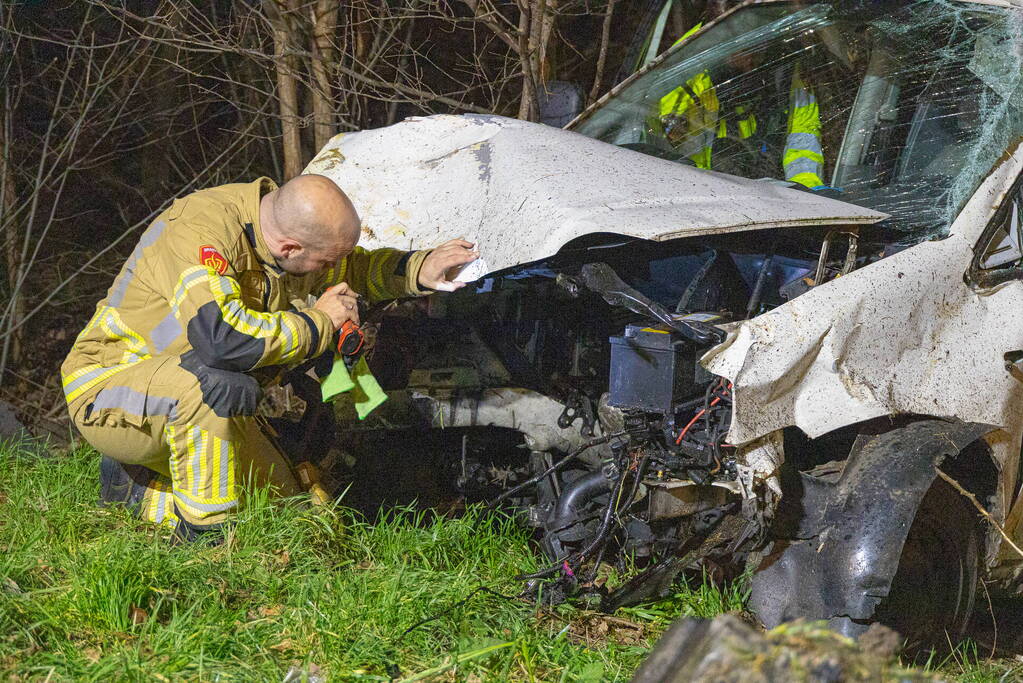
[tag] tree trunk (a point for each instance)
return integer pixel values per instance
(11, 237)
(281, 15)
(155, 178)
(527, 103)
(605, 38)
(324, 22)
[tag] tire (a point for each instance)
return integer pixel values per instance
(933, 592)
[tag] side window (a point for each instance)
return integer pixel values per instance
(998, 256)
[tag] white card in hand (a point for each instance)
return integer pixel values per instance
(472, 271)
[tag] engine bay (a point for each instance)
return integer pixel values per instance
(570, 394)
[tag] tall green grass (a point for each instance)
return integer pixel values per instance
(90, 594)
(966, 663)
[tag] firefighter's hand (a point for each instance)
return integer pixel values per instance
(437, 268)
(340, 302)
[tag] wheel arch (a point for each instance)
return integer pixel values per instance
(839, 544)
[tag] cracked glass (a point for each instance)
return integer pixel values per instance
(905, 113)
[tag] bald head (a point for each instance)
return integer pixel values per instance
(308, 222)
(313, 208)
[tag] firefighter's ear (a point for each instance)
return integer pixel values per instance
(290, 248)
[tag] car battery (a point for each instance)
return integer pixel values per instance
(652, 369)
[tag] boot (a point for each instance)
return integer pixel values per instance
(122, 484)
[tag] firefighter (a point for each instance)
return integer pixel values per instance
(687, 116)
(691, 118)
(210, 306)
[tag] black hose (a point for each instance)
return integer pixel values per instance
(640, 470)
(555, 467)
(601, 533)
(574, 496)
(605, 523)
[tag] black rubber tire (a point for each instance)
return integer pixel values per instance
(933, 592)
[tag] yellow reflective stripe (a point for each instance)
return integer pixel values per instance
(293, 335)
(80, 372)
(81, 380)
(226, 466)
(678, 100)
(166, 504)
(116, 330)
(207, 464)
(222, 470)
(93, 321)
(189, 278)
(199, 505)
(256, 324)
(176, 463)
(196, 458)
(189, 461)
(810, 180)
(159, 507)
(748, 126)
(217, 467)
(149, 504)
(688, 33)
(153, 508)
(803, 158)
(791, 155)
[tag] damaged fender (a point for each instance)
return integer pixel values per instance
(837, 558)
(906, 335)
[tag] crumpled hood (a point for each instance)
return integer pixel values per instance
(523, 190)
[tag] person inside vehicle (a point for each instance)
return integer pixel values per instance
(693, 120)
(227, 287)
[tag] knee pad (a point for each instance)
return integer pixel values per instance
(228, 394)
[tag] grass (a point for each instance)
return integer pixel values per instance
(89, 594)
(92, 594)
(966, 663)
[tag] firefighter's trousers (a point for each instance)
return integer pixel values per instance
(194, 427)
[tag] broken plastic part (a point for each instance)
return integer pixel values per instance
(601, 278)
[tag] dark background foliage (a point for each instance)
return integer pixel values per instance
(109, 110)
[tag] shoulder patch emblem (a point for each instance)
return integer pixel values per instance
(211, 258)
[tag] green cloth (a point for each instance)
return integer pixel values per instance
(366, 392)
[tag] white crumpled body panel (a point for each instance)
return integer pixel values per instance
(902, 335)
(523, 190)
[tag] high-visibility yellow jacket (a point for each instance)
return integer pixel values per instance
(202, 278)
(695, 105)
(803, 158)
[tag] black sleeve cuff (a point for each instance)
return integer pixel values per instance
(313, 331)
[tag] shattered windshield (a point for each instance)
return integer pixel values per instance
(904, 113)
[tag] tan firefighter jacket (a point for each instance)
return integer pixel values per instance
(202, 278)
